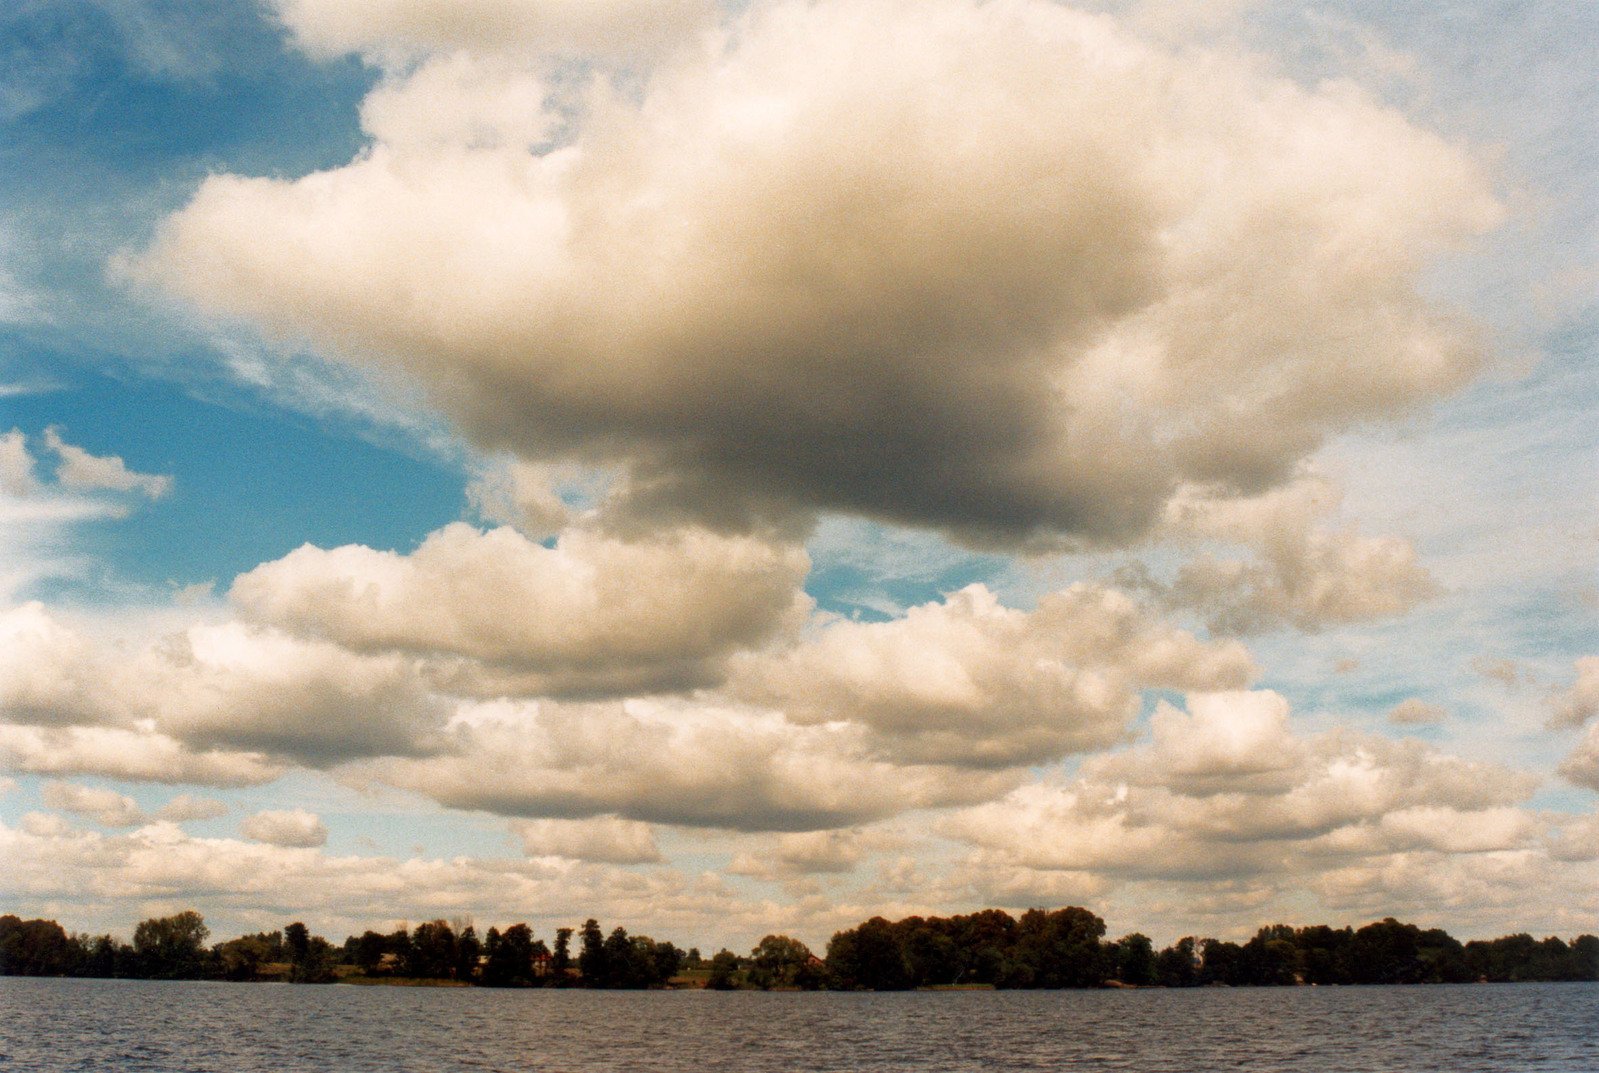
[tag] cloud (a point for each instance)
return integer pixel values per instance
(1304, 575)
(687, 763)
(139, 755)
(185, 807)
(970, 682)
(105, 807)
(384, 28)
(80, 469)
(1575, 706)
(115, 878)
(224, 686)
(529, 496)
(593, 614)
(1416, 712)
(1226, 791)
(1582, 765)
(607, 839)
(16, 465)
(1079, 272)
(805, 853)
(293, 828)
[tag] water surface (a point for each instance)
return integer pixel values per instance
(151, 1027)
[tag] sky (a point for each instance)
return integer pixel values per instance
(746, 468)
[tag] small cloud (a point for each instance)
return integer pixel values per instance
(194, 594)
(1507, 672)
(1415, 712)
(606, 839)
(105, 807)
(16, 464)
(1346, 666)
(293, 828)
(46, 825)
(186, 807)
(18, 388)
(1575, 706)
(80, 469)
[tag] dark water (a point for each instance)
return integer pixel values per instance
(109, 1025)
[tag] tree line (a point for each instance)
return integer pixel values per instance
(1062, 948)
(436, 951)
(1067, 948)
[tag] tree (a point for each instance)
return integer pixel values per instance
(297, 937)
(1177, 965)
(778, 961)
(171, 948)
(1058, 949)
(510, 957)
(242, 958)
(318, 965)
(431, 955)
(867, 958)
(467, 951)
(1135, 960)
(37, 948)
(561, 960)
(369, 951)
(592, 961)
(724, 967)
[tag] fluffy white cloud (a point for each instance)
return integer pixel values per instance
(969, 681)
(1076, 270)
(139, 755)
(387, 28)
(82, 470)
(105, 807)
(607, 839)
(592, 614)
(1227, 790)
(694, 764)
(186, 807)
(1304, 574)
(293, 828)
(217, 686)
(805, 853)
(1575, 706)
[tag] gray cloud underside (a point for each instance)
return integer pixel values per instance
(998, 269)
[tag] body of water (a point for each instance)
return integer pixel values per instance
(100, 1026)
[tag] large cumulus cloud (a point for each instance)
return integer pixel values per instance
(225, 687)
(1227, 791)
(589, 615)
(995, 268)
(689, 763)
(969, 681)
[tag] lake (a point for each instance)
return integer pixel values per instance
(115, 1025)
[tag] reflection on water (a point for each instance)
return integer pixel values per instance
(103, 1025)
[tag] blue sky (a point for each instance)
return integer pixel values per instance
(1239, 465)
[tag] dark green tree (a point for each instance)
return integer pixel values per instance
(561, 959)
(777, 961)
(171, 948)
(592, 959)
(1135, 960)
(724, 971)
(431, 955)
(467, 951)
(510, 957)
